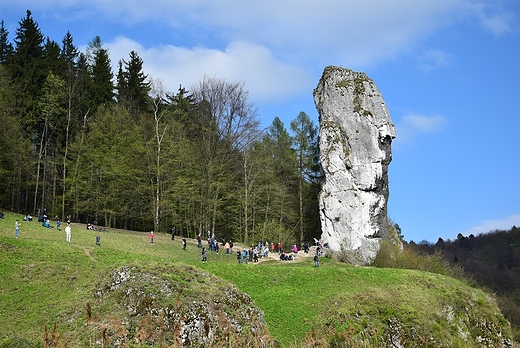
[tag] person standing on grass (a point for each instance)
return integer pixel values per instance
(16, 228)
(316, 260)
(67, 232)
(204, 256)
(151, 237)
(183, 243)
(244, 256)
(226, 246)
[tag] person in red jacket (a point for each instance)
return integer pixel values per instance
(151, 237)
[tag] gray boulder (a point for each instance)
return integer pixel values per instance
(356, 134)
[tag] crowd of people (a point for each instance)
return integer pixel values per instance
(252, 254)
(45, 221)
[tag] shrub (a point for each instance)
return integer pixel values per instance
(391, 256)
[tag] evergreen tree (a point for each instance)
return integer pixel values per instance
(69, 58)
(101, 88)
(306, 146)
(132, 88)
(52, 57)
(52, 106)
(6, 48)
(14, 150)
(27, 70)
(85, 102)
(281, 183)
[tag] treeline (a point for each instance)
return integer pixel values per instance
(77, 139)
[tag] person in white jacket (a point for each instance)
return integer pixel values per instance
(67, 232)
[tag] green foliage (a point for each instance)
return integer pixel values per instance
(391, 255)
(307, 153)
(111, 168)
(132, 87)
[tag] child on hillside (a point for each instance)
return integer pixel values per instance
(151, 237)
(204, 256)
(16, 228)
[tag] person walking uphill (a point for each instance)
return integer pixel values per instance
(16, 228)
(68, 232)
(151, 237)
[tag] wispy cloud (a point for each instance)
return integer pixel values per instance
(343, 32)
(413, 125)
(493, 18)
(434, 59)
(492, 225)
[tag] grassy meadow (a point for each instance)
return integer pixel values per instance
(45, 280)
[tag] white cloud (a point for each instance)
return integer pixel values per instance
(424, 123)
(492, 225)
(413, 125)
(492, 17)
(265, 77)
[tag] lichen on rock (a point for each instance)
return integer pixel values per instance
(356, 133)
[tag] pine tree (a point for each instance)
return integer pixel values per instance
(6, 48)
(281, 181)
(69, 58)
(101, 88)
(306, 145)
(27, 70)
(52, 106)
(133, 89)
(14, 150)
(52, 57)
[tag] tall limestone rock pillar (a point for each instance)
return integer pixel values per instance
(356, 134)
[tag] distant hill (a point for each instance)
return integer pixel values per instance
(493, 261)
(130, 293)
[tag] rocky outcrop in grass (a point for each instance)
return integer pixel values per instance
(180, 306)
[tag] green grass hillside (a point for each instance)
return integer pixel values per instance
(47, 281)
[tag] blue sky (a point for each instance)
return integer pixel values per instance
(449, 71)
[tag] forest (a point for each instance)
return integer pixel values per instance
(115, 147)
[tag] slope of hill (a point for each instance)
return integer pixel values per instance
(493, 261)
(127, 292)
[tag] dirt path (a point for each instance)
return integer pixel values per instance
(87, 252)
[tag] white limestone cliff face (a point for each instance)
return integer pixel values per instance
(356, 133)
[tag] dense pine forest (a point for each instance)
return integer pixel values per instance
(115, 147)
